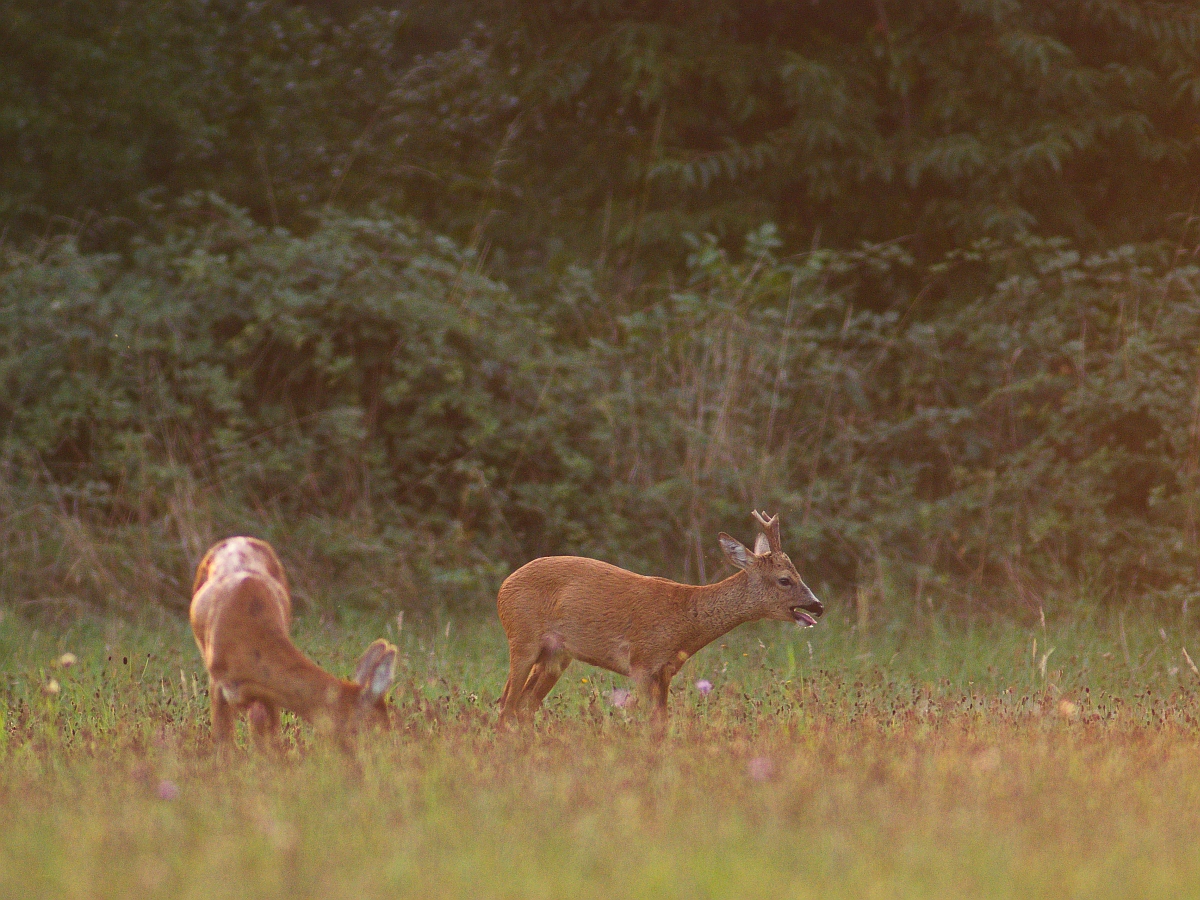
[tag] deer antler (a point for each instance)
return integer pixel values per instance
(770, 528)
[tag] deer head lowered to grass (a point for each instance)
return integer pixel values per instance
(559, 608)
(241, 613)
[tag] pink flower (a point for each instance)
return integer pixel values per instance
(619, 698)
(761, 768)
(167, 790)
(704, 686)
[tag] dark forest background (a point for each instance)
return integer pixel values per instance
(421, 291)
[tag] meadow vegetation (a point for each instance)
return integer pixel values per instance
(899, 759)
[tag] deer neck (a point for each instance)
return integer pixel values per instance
(306, 689)
(717, 609)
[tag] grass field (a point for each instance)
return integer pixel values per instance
(926, 758)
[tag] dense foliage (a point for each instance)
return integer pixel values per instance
(557, 129)
(422, 292)
(1040, 437)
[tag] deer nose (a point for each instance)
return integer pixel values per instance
(813, 605)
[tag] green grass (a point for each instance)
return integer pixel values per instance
(924, 758)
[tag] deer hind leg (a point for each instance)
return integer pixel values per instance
(222, 713)
(551, 670)
(521, 661)
(265, 724)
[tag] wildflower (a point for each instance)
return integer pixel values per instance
(704, 686)
(619, 697)
(52, 686)
(986, 761)
(761, 768)
(1067, 709)
(67, 660)
(167, 790)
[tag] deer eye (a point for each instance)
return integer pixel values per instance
(784, 581)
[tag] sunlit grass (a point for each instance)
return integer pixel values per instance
(925, 758)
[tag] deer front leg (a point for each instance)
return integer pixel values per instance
(657, 687)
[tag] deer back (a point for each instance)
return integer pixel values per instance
(240, 592)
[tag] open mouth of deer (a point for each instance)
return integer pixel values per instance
(803, 619)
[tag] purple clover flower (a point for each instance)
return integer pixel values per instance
(619, 697)
(761, 768)
(704, 686)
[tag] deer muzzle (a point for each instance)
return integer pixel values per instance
(808, 611)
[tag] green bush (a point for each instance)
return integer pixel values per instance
(1019, 432)
(367, 369)
(1037, 440)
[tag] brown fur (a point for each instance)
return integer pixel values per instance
(559, 608)
(241, 614)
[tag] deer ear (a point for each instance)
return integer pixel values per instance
(761, 545)
(735, 551)
(376, 670)
(370, 659)
(381, 678)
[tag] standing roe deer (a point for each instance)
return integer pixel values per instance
(559, 608)
(241, 612)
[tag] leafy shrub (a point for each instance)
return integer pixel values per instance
(367, 366)
(1020, 431)
(1039, 437)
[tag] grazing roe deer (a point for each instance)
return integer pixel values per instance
(241, 613)
(559, 608)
